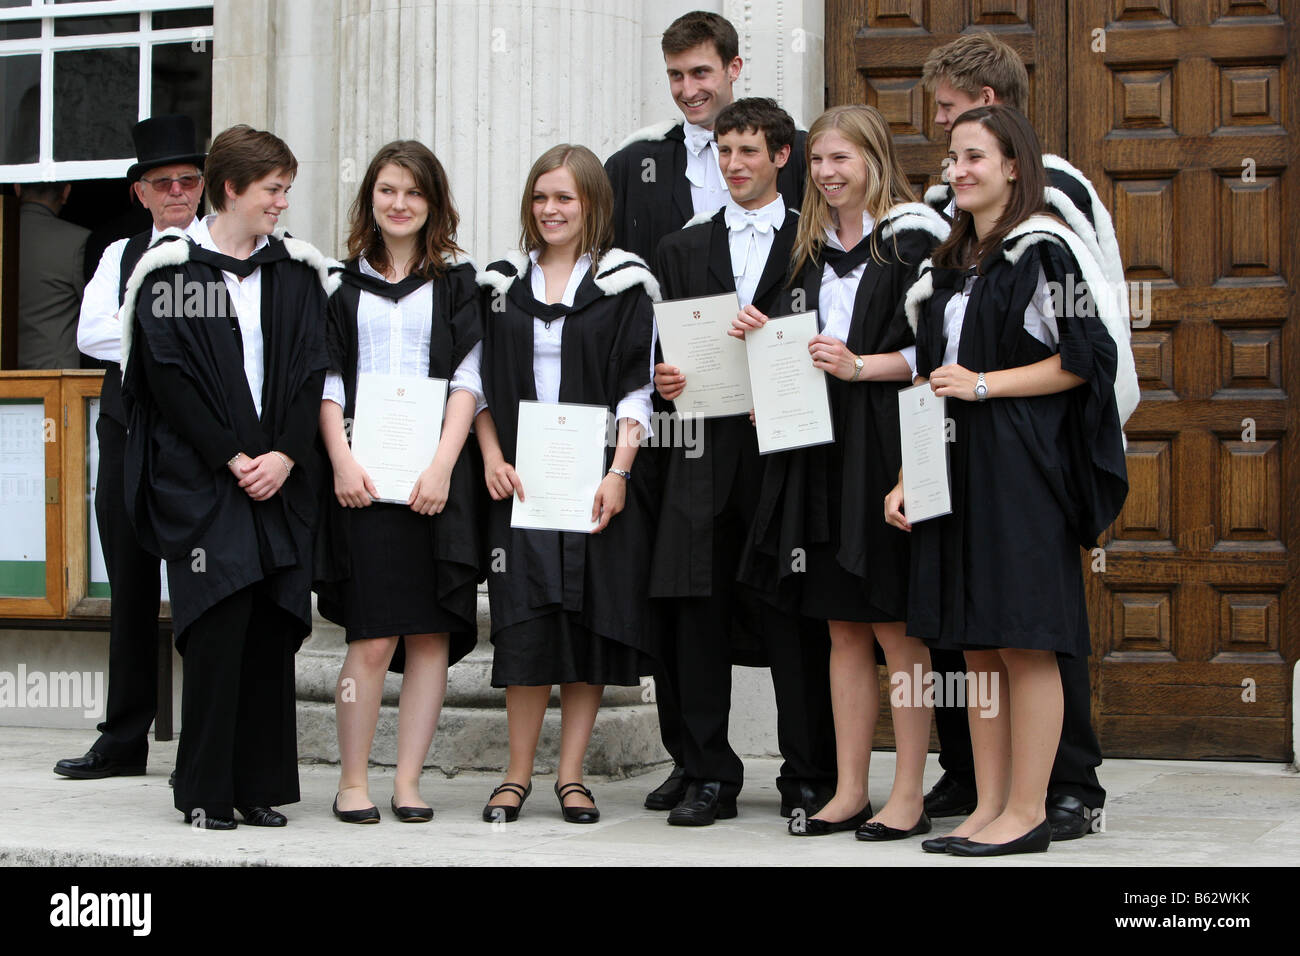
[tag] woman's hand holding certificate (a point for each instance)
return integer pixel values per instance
(791, 404)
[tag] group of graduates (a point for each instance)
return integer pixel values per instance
(235, 464)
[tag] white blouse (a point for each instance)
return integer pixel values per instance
(393, 339)
(1040, 318)
(547, 337)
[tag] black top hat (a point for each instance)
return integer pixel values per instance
(162, 141)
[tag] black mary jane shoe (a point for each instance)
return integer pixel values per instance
(499, 813)
(669, 793)
(95, 766)
(878, 832)
(364, 815)
(576, 814)
(1035, 841)
(263, 817)
(815, 826)
(939, 844)
(200, 820)
(410, 814)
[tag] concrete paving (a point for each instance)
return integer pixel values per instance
(1159, 814)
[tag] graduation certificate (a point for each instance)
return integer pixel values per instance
(560, 460)
(792, 408)
(395, 431)
(694, 337)
(922, 422)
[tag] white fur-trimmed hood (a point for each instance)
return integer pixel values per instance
(617, 271)
(913, 215)
(651, 134)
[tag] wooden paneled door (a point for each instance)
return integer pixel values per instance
(1182, 113)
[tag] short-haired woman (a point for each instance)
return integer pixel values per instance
(568, 319)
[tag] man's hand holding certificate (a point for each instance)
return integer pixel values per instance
(693, 333)
(792, 407)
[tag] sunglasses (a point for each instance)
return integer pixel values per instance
(163, 184)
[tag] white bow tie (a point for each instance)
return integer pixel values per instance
(698, 139)
(738, 220)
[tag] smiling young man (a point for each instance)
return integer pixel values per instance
(979, 70)
(666, 174)
(167, 179)
(709, 502)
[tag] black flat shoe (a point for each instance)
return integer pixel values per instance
(410, 814)
(197, 818)
(815, 826)
(878, 832)
(1035, 841)
(366, 815)
(669, 793)
(950, 798)
(263, 817)
(576, 814)
(95, 766)
(702, 804)
(499, 813)
(939, 844)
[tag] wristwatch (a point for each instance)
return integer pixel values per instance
(625, 475)
(981, 389)
(857, 367)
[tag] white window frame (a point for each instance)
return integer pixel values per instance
(45, 169)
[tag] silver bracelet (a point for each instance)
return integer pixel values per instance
(288, 468)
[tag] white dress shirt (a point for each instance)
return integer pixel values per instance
(393, 339)
(708, 189)
(547, 338)
(750, 234)
(1040, 318)
(99, 330)
(246, 300)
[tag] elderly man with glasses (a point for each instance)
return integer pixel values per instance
(168, 181)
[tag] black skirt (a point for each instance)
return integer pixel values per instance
(557, 649)
(393, 588)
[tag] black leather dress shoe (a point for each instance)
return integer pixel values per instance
(702, 804)
(410, 814)
(1035, 841)
(814, 826)
(939, 844)
(94, 766)
(810, 799)
(878, 832)
(950, 798)
(669, 793)
(206, 822)
(263, 817)
(364, 815)
(171, 779)
(1069, 818)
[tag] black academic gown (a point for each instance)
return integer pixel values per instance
(801, 500)
(454, 532)
(652, 197)
(189, 410)
(599, 580)
(1033, 479)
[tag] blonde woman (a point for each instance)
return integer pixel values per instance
(861, 240)
(568, 319)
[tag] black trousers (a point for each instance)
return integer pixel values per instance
(693, 679)
(133, 575)
(1074, 773)
(239, 743)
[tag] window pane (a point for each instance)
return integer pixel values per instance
(20, 97)
(20, 29)
(15, 3)
(83, 26)
(182, 83)
(177, 19)
(96, 102)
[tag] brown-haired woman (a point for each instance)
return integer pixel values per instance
(1037, 465)
(860, 243)
(218, 452)
(400, 576)
(569, 320)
